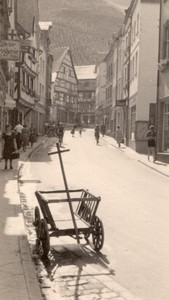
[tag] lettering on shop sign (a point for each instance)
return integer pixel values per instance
(9, 50)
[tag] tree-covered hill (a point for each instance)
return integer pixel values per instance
(85, 26)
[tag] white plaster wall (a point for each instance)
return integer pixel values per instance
(135, 48)
(164, 76)
(148, 59)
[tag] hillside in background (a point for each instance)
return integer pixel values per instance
(85, 26)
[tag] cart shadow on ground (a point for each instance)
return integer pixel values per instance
(74, 264)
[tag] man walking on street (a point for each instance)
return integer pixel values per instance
(18, 129)
(151, 138)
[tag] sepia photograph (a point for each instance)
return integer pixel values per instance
(84, 149)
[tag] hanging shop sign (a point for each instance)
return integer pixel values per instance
(121, 102)
(9, 50)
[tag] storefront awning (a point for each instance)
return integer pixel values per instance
(9, 102)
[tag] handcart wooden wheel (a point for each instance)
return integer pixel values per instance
(42, 233)
(98, 234)
(44, 238)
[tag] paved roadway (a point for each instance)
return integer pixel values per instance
(134, 208)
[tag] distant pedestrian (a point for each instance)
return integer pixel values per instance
(18, 129)
(60, 133)
(8, 145)
(119, 136)
(73, 131)
(97, 134)
(32, 135)
(25, 137)
(103, 129)
(151, 138)
(80, 131)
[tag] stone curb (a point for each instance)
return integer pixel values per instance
(33, 288)
(142, 162)
(154, 169)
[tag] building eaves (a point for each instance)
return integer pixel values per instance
(85, 72)
(27, 12)
(58, 56)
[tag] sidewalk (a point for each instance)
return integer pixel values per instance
(18, 279)
(158, 166)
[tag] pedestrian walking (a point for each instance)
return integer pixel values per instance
(8, 145)
(80, 131)
(151, 139)
(32, 135)
(103, 129)
(97, 134)
(25, 137)
(18, 129)
(60, 133)
(73, 131)
(119, 136)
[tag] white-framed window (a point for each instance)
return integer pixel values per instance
(136, 63)
(138, 24)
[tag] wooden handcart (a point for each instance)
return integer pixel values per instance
(83, 222)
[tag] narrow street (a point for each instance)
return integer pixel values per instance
(134, 207)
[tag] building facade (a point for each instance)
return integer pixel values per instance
(86, 76)
(4, 66)
(64, 87)
(140, 69)
(100, 88)
(30, 76)
(44, 75)
(163, 83)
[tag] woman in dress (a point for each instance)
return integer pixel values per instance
(119, 136)
(8, 145)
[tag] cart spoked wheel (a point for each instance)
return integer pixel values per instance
(98, 234)
(36, 222)
(44, 238)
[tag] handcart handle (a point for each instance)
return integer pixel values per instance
(67, 190)
(56, 152)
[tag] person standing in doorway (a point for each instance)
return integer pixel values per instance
(18, 129)
(151, 139)
(119, 136)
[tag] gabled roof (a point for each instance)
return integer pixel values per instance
(27, 12)
(85, 72)
(58, 56)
